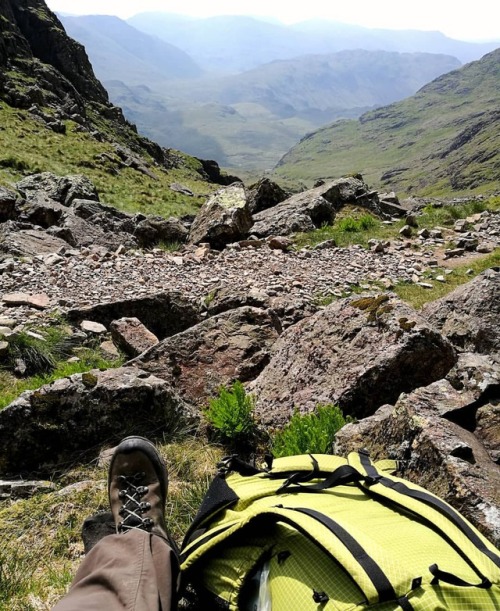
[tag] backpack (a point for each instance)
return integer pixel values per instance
(322, 532)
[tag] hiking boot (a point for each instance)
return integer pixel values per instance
(137, 487)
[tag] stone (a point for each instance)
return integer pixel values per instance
(299, 213)
(233, 345)
(358, 353)
(469, 315)
(406, 231)
(23, 489)
(71, 417)
(131, 336)
(265, 194)
(223, 219)
(109, 350)
(39, 301)
(62, 189)
(433, 452)
(92, 327)
(27, 242)
(165, 313)
(488, 429)
(8, 201)
(4, 349)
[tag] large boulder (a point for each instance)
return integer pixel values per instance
(62, 189)
(299, 213)
(7, 204)
(357, 353)
(469, 316)
(265, 194)
(27, 242)
(72, 416)
(223, 219)
(231, 346)
(164, 314)
(434, 451)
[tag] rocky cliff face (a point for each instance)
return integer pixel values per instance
(41, 65)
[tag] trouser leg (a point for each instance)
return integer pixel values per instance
(134, 571)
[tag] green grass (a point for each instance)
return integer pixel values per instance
(442, 140)
(351, 226)
(29, 147)
(417, 296)
(46, 359)
(41, 542)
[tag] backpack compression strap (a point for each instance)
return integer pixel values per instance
(381, 485)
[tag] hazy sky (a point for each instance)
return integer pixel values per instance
(478, 20)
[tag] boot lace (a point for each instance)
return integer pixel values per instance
(131, 493)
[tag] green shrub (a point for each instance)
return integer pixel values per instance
(231, 415)
(350, 224)
(309, 433)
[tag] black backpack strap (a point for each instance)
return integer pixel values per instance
(374, 477)
(345, 474)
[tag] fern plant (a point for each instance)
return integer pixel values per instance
(230, 415)
(309, 433)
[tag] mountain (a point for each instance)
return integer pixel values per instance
(236, 43)
(56, 116)
(120, 51)
(249, 120)
(445, 138)
(246, 120)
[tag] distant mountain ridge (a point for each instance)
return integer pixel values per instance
(236, 43)
(445, 138)
(123, 52)
(246, 120)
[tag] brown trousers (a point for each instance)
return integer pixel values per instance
(134, 571)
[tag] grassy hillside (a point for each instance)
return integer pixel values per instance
(445, 138)
(28, 146)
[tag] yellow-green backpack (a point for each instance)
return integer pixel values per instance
(319, 532)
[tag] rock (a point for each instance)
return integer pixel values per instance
(265, 194)
(433, 452)
(92, 327)
(411, 220)
(488, 429)
(131, 336)
(109, 350)
(231, 346)
(42, 211)
(97, 230)
(279, 242)
(154, 229)
(39, 301)
(72, 416)
(4, 349)
(24, 489)
(7, 204)
(62, 189)
(453, 252)
(27, 242)
(229, 298)
(406, 231)
(223, 219)
(299, 213)
(469, 315)
(165, 313)
(357, 353)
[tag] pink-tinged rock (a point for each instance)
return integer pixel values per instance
(40, 301)
(132, 336)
